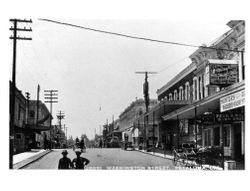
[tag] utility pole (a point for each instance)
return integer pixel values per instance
(37, 104)
(113, 125)
(146, 99)
(65, 132)
(146, 88)
(28, 105)
(13, 88)
(51, 97)
(60, 116)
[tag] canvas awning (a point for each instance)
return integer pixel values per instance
(211, 103)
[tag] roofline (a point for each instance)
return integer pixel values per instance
(190, 68)
(217, 42)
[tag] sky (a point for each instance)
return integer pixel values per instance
(94, 73)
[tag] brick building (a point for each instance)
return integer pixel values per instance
(204, 103)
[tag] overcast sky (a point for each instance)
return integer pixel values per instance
(92, 70)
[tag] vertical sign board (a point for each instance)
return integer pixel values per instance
(232, 101)
(207, 76)
(221, 72)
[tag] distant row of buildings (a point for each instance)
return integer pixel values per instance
(32, 125)
(203, 104)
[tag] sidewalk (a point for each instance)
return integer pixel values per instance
(22, 159)
(169, 156)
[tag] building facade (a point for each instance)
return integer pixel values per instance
(130, 132)
(30, 130)
(38, 124)
(20, 141)
(205, 103)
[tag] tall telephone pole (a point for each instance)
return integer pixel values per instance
(60, 116)
(13, 88)
(37, 104)
(28, 105)
(65, 131)
(51, 97)
(146, 87)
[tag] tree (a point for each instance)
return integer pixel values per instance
(86, 140)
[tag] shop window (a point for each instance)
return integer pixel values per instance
(207, 136)
(227, 137)
(216, 136)
(183, 124)
(18, 136)
(32, 114)
(198, 127)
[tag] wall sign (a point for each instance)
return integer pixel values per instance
(232, 101)
(221, 72)
(229, 117)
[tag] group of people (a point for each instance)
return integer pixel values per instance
(77, 163)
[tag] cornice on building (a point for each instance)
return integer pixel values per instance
(133, 104)
(190, 68)
(41, 104)
(234, 38)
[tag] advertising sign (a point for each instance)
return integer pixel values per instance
(221, 72)
(232, 101)
(229, 117)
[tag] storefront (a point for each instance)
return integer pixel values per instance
(232, 108)
(216, 121)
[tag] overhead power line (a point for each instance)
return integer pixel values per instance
(136, 37)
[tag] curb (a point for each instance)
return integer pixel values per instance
(27, 161)
(169, 157)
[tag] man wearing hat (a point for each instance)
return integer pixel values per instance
(64, 162)
(79, 162)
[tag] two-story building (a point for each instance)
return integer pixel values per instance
(30, 130)
(213, 88)
(38, 124)
(127, 125)
(19, 121)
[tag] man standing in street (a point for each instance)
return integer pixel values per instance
(64, 162)
(79, 162)
(82, 145)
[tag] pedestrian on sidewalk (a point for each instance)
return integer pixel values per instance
(79, 162)
(65, 162)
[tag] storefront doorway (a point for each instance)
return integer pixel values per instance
(237, 141)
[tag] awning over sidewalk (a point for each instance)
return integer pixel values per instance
(37, 128)
(211, 103)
